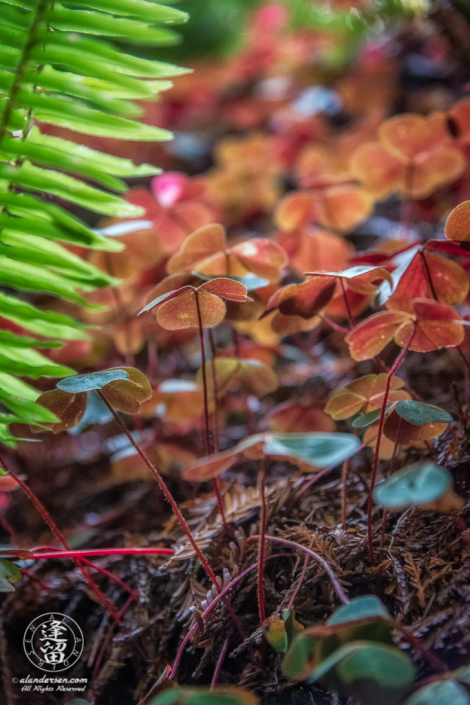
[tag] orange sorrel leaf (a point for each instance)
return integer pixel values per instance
(414, 155)
(305, 300)
(251, 376)
(458, 223)
(343, 207)
(295, 211)
(409, 136)
(127, 395)
(69, 408)
(363, 395)
(206, 251)
(404, 433)
(315, 249)
(182, 308)
(449, 282)
(298, 417)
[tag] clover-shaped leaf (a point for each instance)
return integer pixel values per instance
(87, 383)
(435, 326)
(440, 693)
(307, 450)
(204, 696)
(425, 485)
(124, 388)
(191, 307)
(251, 376)
(364, 395)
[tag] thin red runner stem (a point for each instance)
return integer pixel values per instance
(206, 612)
(60, 537)
(104, 552)
(262, 543)
(301, 577)
(215, 481)
(335, 582)
(370, 504)
(220, 662)
(182, 522)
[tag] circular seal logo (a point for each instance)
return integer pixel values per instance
(53, 642)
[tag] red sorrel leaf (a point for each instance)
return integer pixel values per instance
(226, 288)
(370, 337)
(203, 243)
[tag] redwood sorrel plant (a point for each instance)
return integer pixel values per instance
(279, 340)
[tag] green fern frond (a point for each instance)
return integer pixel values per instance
(56, 68)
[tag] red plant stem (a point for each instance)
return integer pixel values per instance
(301, 578)
(220, 662)
(31, 576)
(98, 568)
(351, 320)
(418, 646)
(407, 203)
(262, 543)
(121, 310)
(214, 388)
(152, 359)
(336, 327)
(462, 526)
(105, 552)
(344, 495)
(59, 535)
(182, 522)
(338, 589)
(390, 470)
(215, 481)
(370, 504)
(206, 612)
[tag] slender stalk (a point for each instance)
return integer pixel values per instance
(215, 481)
(170, 499)
(98, 568)
(59, 535)
(335, 582)
(344, 495)
(351, 320)
(418, 646)
(262, 543)
(214, 391)
(324, 472)
(390, 470)
(370, 504)
(206, 612)
(220, 662)
(301, 577)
